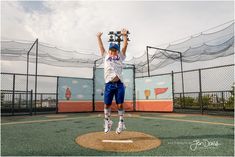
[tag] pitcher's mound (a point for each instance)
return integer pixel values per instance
(127, 141)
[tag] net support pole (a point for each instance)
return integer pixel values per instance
(181, 66)
(93, 93)
(182, 76)
(148, 60)
(173, 89)
(31, 102)
(36, 77)
(57, 94)
(134, 94)
(13, 96)
(200, 91)
(27, 75)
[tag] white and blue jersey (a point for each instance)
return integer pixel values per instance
(113, 66)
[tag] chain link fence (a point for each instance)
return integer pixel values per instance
(206, 91)
(15, 99)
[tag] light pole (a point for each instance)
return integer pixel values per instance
(117, 37)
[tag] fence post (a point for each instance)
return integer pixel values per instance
(181, 103)
(200, 91)
(173, 89)
(134, 94)
(31, 101)
(223, 100)
(57, 92)
(19, 101)
(93, 94)
(41, 99)
(13, 96)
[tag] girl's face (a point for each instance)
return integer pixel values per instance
(113, 52)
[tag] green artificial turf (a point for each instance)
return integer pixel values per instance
(56, 138)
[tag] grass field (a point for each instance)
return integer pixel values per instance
(55, 136)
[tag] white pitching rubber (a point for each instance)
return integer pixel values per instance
(117, 141)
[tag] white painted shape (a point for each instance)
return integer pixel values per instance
(117, 141)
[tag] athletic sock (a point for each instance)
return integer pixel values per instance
(107, 113)
(121, 114)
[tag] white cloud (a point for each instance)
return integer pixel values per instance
(84, 86)
(80, 96)
(161, 83)
(148, 80)
(73, 25)
(74, 81)
(65, 87)
(13, 20)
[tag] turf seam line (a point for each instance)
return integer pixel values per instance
(186, 120)
(46, 120)
(64, 119)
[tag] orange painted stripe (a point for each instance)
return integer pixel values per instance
(128, 106)
(163, 106)
(83, 106)
(74, 101)
(78, 106)
(155, 100)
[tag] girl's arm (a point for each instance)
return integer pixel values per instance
(100, 43)
(124, 34)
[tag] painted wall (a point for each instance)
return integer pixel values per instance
(154, 93)
(75, 95)
(100, 85)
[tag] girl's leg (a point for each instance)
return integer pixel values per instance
(107, 112)
(120, 112)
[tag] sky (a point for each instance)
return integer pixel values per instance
(73, 25)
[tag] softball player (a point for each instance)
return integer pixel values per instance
(113, 65)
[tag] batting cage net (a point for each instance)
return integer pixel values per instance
(146, 90)
(201, 47)
(17, 51)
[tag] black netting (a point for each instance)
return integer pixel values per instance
(201, 47)
(17, 51)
